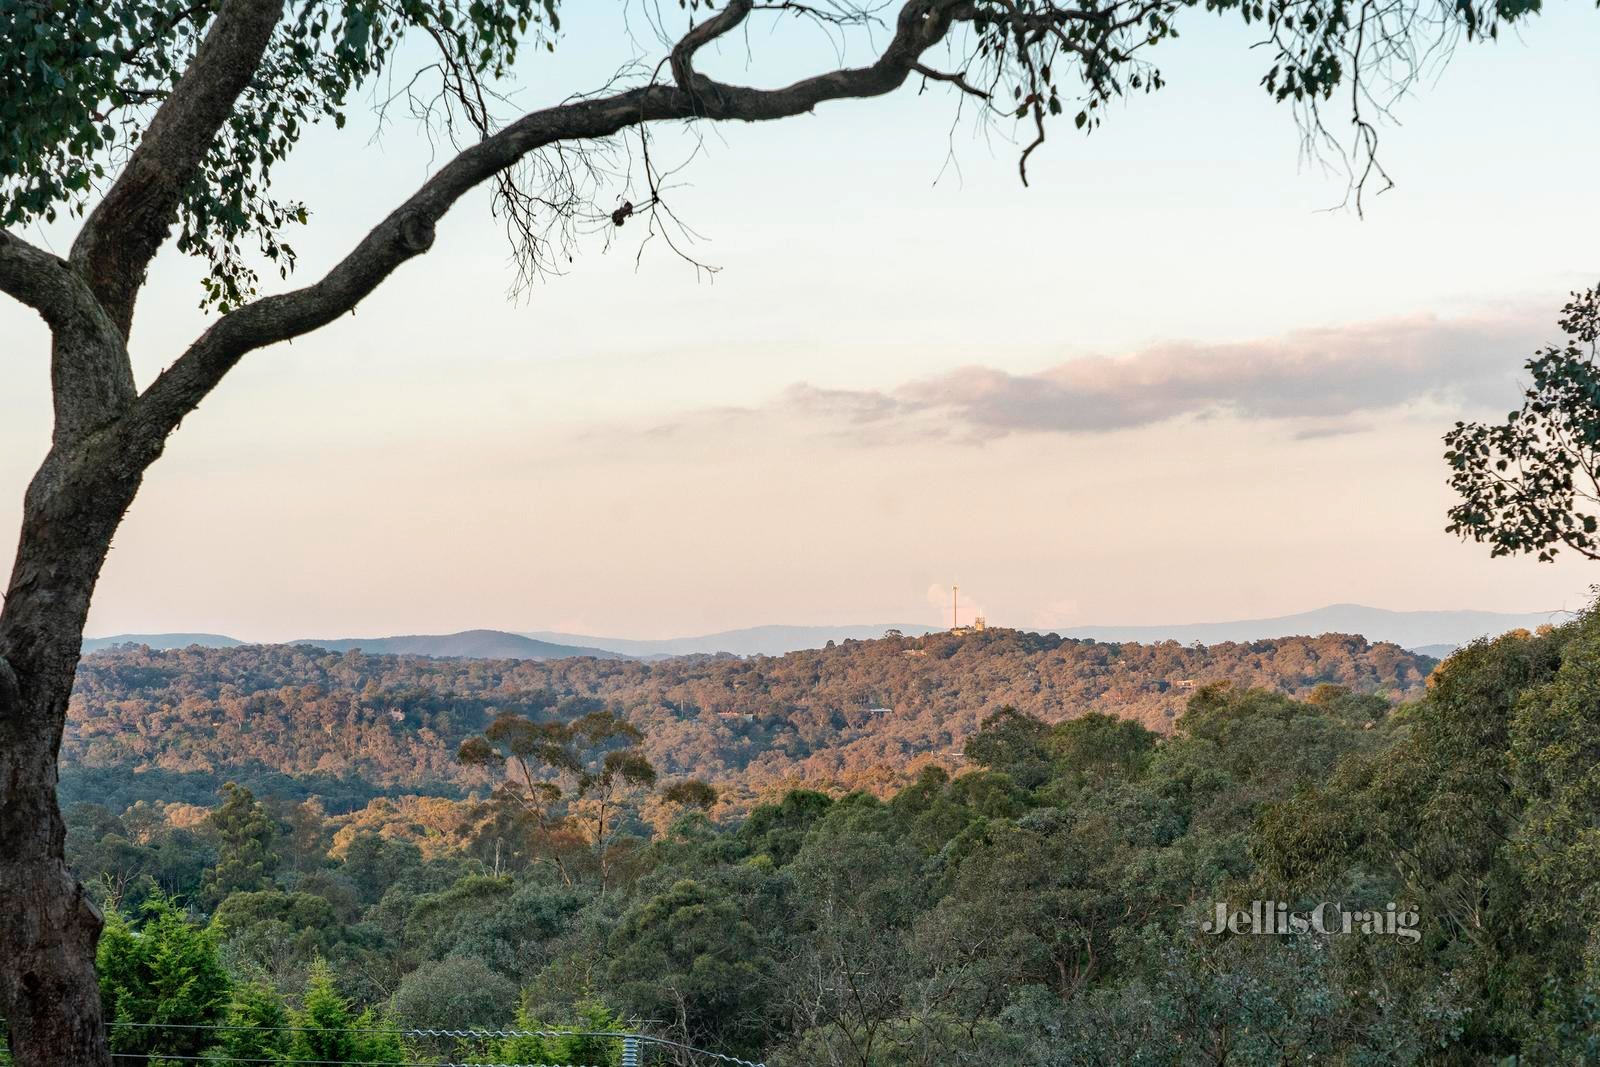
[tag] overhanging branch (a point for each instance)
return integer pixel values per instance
(409, 230)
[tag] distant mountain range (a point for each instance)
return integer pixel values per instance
(468, 644)
(542, 645)
(1433, 633)
(161, 642)
(752, 641)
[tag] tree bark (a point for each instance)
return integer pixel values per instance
(48, 926)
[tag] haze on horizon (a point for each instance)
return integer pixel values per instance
(1193, 395)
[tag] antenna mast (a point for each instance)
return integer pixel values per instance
(955, 600)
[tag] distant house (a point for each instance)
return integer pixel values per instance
(1182, 685)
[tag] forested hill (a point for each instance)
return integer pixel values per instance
(859, 714)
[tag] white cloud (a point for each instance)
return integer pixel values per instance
(1322, 381)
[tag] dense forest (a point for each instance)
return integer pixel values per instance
(1051, 904)
(298, 721)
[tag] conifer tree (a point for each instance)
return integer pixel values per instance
(245, 832)
(162, 984)
(326, 1029)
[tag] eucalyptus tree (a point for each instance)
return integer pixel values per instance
(161, 122)
(597, 757)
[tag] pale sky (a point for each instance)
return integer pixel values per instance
(1163, 384)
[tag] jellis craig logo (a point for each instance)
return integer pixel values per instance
(1276, 917)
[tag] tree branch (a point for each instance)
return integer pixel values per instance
(409, 230)
(957, 78)
(700, 36)
(90, 376)
(128, 227)
(44, 282)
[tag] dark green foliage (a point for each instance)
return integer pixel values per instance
(257, 1028)
(1531, 484)
(157, 979)
(303, 923)
(373, 864)
(588, 1015)
(137, 854)
(778, 830)
(1097, 748)
(1013, 743)
(1554, 765)
(78, 82)
(1047, 907)
(327, 1030)
(244, 833)
(455, 993)
(693, 954)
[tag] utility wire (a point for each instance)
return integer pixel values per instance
(226, 1059)
(471, 1035)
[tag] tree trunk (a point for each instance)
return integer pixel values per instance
(48, 927)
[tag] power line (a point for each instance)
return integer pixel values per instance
(384, 1030)
(224, 1058)
(469, 1035)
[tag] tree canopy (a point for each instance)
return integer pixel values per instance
(1531, 484)
(146, 113)
(1047, 905)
